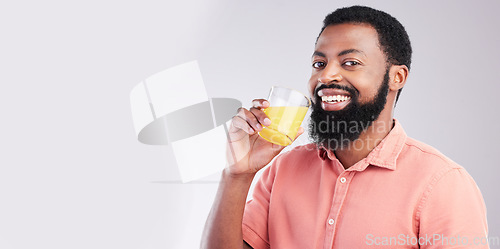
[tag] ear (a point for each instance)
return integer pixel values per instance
(398, 75)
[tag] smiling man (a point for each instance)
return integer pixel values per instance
(362, 182)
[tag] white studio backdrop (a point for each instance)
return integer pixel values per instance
(72, 173)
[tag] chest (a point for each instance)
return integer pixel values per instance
(350, 210)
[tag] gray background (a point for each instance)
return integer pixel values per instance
(72, 173)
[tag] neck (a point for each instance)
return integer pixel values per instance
(367, 141)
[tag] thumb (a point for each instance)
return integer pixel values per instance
(300, 131)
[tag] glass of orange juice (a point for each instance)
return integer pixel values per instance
(287, 109)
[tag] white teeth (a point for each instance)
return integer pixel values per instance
(335, 98)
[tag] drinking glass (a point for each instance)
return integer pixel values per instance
(287, 109)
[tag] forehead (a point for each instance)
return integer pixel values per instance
(340, 37)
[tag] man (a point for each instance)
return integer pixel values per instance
(362, 183)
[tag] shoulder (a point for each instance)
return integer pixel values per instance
(427, 156)
(441, 175)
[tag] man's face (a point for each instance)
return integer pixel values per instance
(348, 84)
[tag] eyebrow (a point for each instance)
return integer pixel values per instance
(344, 52)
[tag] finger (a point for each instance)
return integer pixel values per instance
(250, 118)
(260, 103)
(261, 116)
(300, 131)
(240, 124)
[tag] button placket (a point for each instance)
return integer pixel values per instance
(338, 198)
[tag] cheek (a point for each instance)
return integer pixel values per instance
(365, 93)
(367, 90)
(312, 85)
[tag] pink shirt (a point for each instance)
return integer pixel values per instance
(404, 194)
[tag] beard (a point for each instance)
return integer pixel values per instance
(337, 129)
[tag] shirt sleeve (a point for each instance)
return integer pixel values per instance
(256, 214)
(452, 213)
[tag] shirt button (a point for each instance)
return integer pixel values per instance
(342, 179)
(331, 221)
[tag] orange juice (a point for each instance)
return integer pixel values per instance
(285, 122)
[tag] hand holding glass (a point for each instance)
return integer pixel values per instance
(287, 109)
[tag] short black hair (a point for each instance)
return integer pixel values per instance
(392, 36)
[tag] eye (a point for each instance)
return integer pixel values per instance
(318, 64)
(351, 63)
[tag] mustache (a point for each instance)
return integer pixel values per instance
(351, 90)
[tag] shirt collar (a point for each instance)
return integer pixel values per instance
(384, 155)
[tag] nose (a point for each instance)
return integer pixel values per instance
(329, 75)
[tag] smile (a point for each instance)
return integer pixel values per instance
(335, 98)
